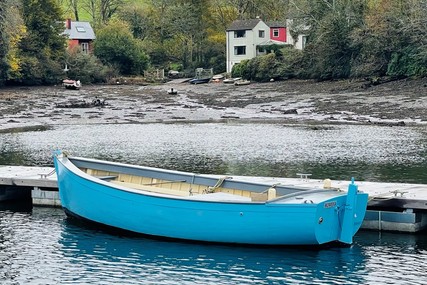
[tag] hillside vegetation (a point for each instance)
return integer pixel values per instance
(345, 38)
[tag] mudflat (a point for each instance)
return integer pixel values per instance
(398, 102)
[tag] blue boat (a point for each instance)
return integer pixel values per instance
(205, 208)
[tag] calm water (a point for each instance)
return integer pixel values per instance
(41, 246)
(374, 153)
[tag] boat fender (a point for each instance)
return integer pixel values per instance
(271, 193)
(327, 184)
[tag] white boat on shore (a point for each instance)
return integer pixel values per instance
(242, 82)
(231, 80)
(71, 84)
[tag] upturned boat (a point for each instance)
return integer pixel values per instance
(205, 208)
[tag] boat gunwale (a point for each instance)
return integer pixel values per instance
(273, 202)
(75, 170)
(213, 179)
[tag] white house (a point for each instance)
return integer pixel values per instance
(301, 41)
(246, 39)
(243, 37)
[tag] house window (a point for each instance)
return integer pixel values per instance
(239, 50)
(275, 33)
(261, 33)
(240, 34)
(303, 41)
(85, 47)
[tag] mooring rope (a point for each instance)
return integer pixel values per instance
(395, 192)
(218, 184)
(47, 174)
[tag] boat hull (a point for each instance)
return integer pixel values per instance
(268, 223)
(71, 84)
(199, 80)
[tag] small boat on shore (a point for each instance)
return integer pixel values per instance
(200, 80)
(71, 84)
(242, 82)
(217, 78)
(231, 80)
(172, 91)
(205, 208)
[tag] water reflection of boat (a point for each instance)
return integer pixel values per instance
(87, 250)
(189, 206)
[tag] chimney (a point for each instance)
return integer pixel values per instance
(68, 24)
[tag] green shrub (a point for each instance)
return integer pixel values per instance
(87, 68)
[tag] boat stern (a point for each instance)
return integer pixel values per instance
(353, 213)
(339, 218)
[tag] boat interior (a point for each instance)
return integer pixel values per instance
(182, 188)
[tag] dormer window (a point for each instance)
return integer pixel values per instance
(240, 34)
(80, 29)
(275, 33)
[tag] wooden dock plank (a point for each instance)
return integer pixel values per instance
(413, 194)
(408, 196)
(28, 176)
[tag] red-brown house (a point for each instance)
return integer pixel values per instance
(278, 31)
(80, 34)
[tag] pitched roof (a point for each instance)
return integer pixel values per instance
(80, 31)
(243, 24)
(271, 42)
(276, 24)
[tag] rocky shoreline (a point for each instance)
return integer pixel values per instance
(394, 103)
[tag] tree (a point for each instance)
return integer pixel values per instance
(41, 50)
(101, 11)
(329, 26)
(4, 41)
(138, 19)
(74, 5)
(12, 30)
(86, 67)
(409, 58)
(116, 46)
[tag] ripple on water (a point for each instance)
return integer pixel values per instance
(43, 247)
(375, 153)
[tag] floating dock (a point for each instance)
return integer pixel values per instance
(392, 206)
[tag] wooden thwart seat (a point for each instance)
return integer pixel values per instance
(269, 194)
(107, 177)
